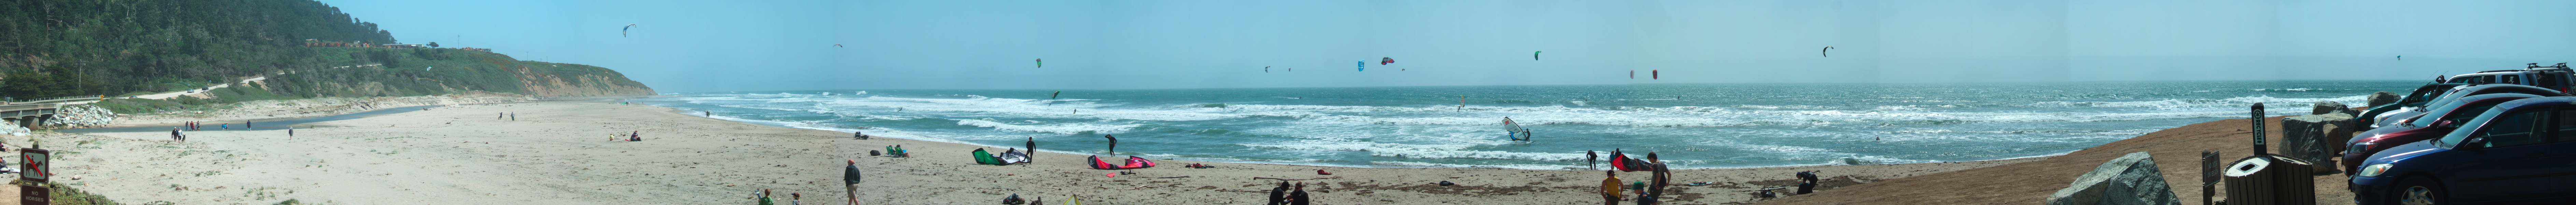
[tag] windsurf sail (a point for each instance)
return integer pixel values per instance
(1655, 74)
(1363, 65)
(1132, 162)
(1014, 156)
(982, 157)
(1625, 164)
(1514, 131)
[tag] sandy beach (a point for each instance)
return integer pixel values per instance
(558, 152)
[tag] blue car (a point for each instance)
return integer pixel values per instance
(2520, 152)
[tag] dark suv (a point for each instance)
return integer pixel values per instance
(2520, 152)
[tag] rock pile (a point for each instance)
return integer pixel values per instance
(81, 116)
(12, 128)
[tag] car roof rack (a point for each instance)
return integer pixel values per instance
(2536, 66)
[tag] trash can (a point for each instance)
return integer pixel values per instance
(2270, 180)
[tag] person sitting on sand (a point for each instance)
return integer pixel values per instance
(635, 136)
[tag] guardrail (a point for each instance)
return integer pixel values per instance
(58, 100)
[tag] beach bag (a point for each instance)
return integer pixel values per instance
(982, 157)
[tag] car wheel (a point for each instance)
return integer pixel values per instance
(2419, 191)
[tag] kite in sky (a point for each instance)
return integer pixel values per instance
(622, 32)
(1823, 52)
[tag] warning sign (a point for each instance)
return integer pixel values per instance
(32, 194)
(35, 163)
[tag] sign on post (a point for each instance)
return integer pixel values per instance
(32, 194)
(36, 164)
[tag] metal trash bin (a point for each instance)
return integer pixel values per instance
(2270, 180)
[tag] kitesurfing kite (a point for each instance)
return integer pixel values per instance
(622, 32)
(838, 45)
(1534, 55)
(2401, 58)
(1363, 65)
(1386, 60)
(1823, 52)
(1265, 69)
(1041, 63)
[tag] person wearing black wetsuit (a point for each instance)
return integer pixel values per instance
(1113, 144)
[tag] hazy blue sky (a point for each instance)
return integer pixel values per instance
(684, 46)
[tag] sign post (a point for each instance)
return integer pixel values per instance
(32, 194)
(36, 167)
(36, 163)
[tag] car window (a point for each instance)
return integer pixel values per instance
(2461, 114)
(2510, 79)
(2426, 95)
(2566, 125)
(2511, 129)
(2547, 80)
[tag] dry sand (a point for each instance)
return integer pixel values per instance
(558, 152)
(2176, 152)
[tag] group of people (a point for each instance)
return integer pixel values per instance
(763, 196)
(201, 126)
(1283, 195)
(1648, 192)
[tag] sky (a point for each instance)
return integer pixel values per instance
(696, 46)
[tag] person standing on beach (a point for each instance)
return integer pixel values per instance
(290, 132)
(763, 195)
(1591, 159)
(499, 115)
(850, 177)
(246, 125)
(1113, 145)
(1033, 150)
(514, 116)
(174, 134)
(1610, 188)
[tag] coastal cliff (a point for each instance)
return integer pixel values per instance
(282, 49)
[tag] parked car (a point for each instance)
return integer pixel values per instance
(2554, 77)
(2456, 93)
(2519, 152)
(2421, 127)
(2422, 95)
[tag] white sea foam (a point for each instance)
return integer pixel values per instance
(1070, 128)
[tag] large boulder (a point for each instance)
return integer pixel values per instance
(2128, 180)
(2381, 98)
(2311, 138)
(2324, 107)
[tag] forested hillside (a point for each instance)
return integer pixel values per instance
(55, 48)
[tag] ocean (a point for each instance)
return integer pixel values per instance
(1689, 125)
